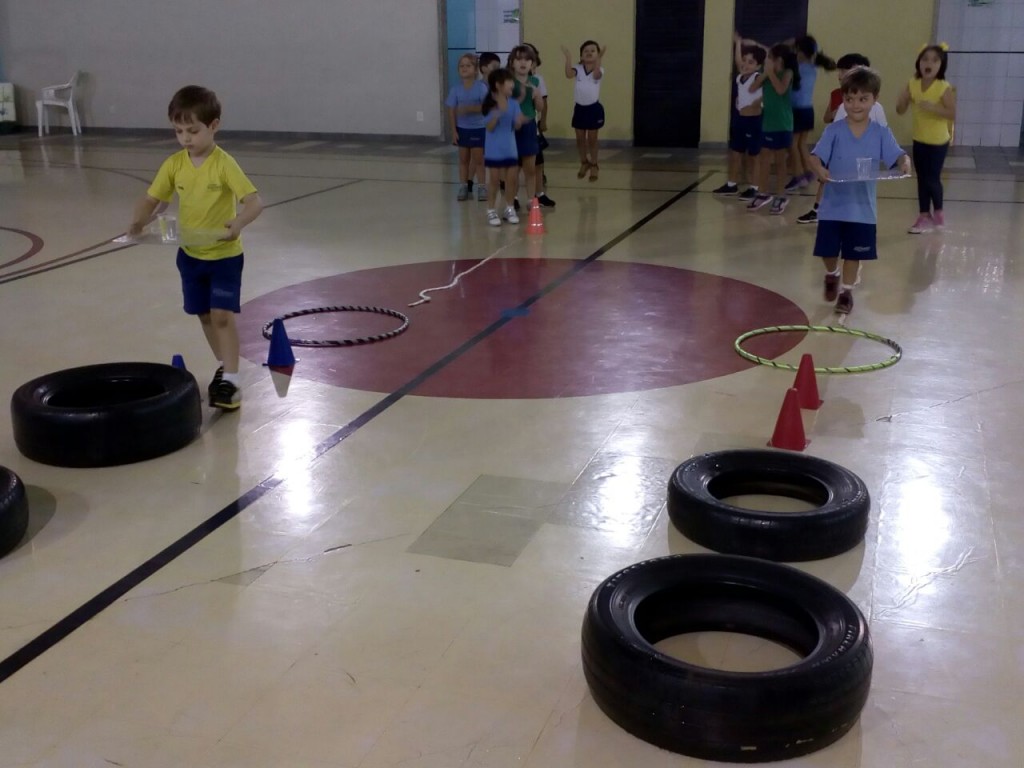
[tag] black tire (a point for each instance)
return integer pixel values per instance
(836, 525)
(13, 511)
(103, 415)
(711, 714)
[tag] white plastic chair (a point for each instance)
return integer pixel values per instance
(62, 96)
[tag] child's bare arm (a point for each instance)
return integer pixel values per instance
(780, 84)
(818, 169)
(252, 206)
(452, 125)
(903, 100)
(570, 70)
(143, 213)
(597, 74)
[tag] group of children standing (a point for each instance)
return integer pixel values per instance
(498, 117)
(774, 112)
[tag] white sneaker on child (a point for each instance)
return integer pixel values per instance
(510, 215)
(492, 218)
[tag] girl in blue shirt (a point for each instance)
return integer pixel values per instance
(467, 124)
(501, 158)
(809, 57)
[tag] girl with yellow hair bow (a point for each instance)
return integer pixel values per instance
(934, 109)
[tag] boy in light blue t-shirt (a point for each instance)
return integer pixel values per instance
(848, 214)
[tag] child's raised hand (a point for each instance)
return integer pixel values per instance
(565, 52)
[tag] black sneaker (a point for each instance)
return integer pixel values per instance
(811, 217)
(748, 194)
(546, 201)
(845, 302)
(218, 377)
(726, 189)
(759, 201)
(227, 396)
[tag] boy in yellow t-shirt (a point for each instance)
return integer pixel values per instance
(209, 184)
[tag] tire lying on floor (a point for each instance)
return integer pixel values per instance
(835, 525)
(743, 717)
(13, 511)
(102, 415)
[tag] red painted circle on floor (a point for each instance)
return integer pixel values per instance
(610, 327)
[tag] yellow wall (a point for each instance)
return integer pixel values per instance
(840, 26)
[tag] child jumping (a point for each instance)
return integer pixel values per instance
(848, 215)
(934, 103)
(809, 57)
(745, 125)
(467, 124)
(209, 183)
(588, 114)
(780, 76)
(503, 117)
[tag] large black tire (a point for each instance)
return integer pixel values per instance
(741, 717)
(13, 511)
(836, 525)
(102, 415)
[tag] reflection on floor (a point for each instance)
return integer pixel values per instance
(388, 565)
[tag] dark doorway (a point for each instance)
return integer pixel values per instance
(669, 70)
(771, 21)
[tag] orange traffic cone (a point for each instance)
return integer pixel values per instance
(535, 223)
(807, 384)
(789, 429)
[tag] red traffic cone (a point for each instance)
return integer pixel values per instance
(280, 358)
(789, 429)
(807, 384)
(535, 222)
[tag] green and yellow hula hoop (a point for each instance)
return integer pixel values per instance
(897, 351)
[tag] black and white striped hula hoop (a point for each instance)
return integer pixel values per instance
(342, 342)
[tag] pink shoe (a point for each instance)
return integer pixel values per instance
(924, 223)
(939, 219)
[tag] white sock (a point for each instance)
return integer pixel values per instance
(843, 287)
(836, 271)
(232, 377)
(730, 183)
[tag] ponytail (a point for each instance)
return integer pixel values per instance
(823, 61)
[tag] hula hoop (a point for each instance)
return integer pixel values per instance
(342, 342)
(895, 358)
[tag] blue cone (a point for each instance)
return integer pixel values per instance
(280, 357)
(178, 362)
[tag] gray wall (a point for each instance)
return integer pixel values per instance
(332, 66)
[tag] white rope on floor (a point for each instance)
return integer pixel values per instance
(423, 294)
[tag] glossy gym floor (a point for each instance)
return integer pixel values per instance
(385, 561)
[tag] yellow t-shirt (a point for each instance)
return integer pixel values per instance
(929, 128)
(207, 197)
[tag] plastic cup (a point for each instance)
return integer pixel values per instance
(168, 228)
(866, 167)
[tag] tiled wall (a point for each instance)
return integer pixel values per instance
(986, 65)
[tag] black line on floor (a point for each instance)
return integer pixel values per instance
(34, 648)
(49, 266)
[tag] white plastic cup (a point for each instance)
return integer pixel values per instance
(866, 167)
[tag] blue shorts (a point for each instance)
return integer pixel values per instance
(777, 140)
(501, 162)
(803, 119)
(588, 117)
(854, 240)
(471, 138)
(210, 285)
(527, 144)
(745, 134)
